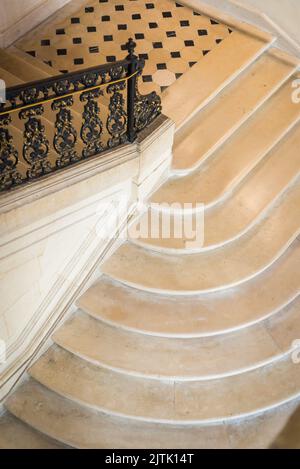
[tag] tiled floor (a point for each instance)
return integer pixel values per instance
(171, 37)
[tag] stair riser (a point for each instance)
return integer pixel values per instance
(165, 401)
(184, 172)
(210, 290)
(222, 419)
(224, 85)
(153, 333)
(176, 378)
(187, 251)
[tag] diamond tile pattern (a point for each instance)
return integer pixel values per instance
(171, 37)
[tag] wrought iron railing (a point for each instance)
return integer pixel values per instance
(50, 124)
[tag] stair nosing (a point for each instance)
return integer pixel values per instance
(187, 171)
(159, 421)
(227, 82)
(207, 248)
(136, 419)
(191, 378)
(237, 182)
(220, 288)
(215, 333)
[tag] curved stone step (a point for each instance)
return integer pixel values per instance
(211, 127)
(201, 358)
(181, 100)
(80, 427)
(211, 314)
(168, 402)
(238, 213)
(230, 164)
(16, 435)
(214, 270)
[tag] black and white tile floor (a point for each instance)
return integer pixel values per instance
(171, 37)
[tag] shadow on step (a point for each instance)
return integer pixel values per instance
(289, 438)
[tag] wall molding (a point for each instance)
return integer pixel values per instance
(51, 248)
(30, 21)
(36, 338)
(59, 180)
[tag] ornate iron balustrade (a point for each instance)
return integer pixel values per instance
(44, 111)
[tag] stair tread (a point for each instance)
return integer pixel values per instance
(214, 270)
(47, 69)
(84, 428)
(199, 358)
(80, 427)
(167, 401)
(221, 65)
(214, 124)
(16, 435)
(243, 208)
(9, 78)
(125, 307)
(230, 164)
(20, 68)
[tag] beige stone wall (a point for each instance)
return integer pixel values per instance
(51, 239)
(14, 10)
(285, 13)
(19, 16)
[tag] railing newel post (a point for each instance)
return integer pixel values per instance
(131, 89)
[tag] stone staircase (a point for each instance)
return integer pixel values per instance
(177, 346)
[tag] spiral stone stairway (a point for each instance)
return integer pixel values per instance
(177, 346)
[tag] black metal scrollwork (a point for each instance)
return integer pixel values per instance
(61, 87)
(146, 108)
(128, 112)
(65, 134)
(92, 127)
(9, 175)
(36, 145)
(90, 79)
(117, 119)
(29, 96)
